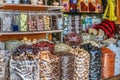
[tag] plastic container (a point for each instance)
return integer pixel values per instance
(40, 21)
(23, 21)
(32, 21)
(16, 21)
(108, 62)
(47, 21)
(7, 21)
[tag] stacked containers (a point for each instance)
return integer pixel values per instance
(108, 62)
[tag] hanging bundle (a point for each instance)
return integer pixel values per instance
(110, 11)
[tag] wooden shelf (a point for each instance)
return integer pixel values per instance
(36, 32)
(118, 11)
(29, 7)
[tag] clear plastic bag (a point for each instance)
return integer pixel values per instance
(4, 62)
(73, 39)
(81, 64)
(24, 70)
(2, 70)
(95, 61)
(49, 66)
(67, 65)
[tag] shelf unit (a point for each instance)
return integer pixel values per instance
(36, 32)
(29, 7)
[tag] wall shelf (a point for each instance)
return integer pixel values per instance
(35, 32)
(29, 7)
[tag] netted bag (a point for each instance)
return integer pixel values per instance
(7, 61)
(49, 66)
(67, 65)
(24, 70)
(62, 47)
(108, 62)
(2, 64)
(12, 44)
(81, 64)
(95, 61)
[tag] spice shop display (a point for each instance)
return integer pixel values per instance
(66, 65)
(95, 60)
(108, 62)
(26, 21)
(81, 64)
(49, 66)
